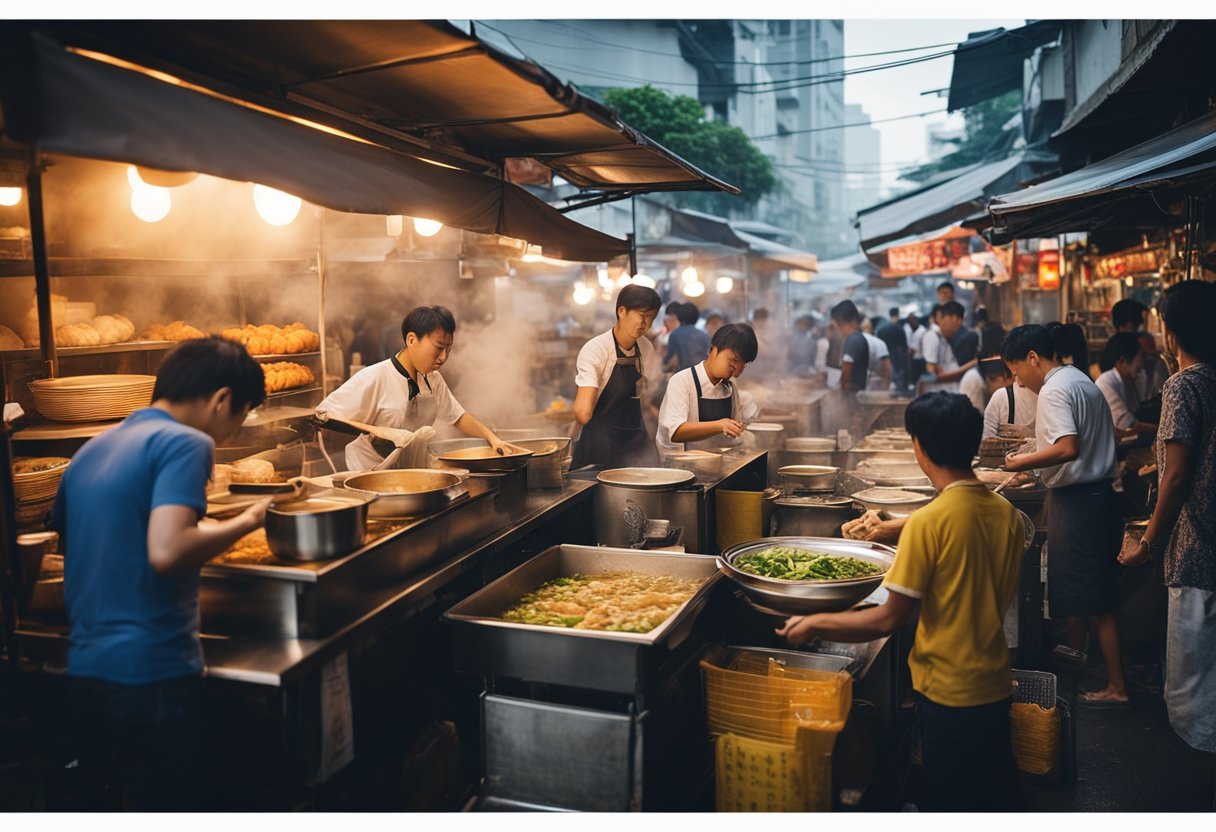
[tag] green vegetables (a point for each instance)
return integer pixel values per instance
(791, 564)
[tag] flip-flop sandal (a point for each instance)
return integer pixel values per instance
(1104, 704)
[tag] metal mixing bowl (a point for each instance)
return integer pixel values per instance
(802, 597)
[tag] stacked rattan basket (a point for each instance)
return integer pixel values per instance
(91, 398)
(36, 481)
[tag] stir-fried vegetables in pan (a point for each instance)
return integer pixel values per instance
(792, 564)
(626, 602)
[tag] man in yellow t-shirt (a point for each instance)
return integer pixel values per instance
(960, 557)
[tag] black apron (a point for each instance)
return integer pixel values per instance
(615, 436)
(711, 410)
(1009, 393)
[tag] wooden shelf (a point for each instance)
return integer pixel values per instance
(289, 356)
(104, 349)
(43, 431)
(295, 391)
(155, 267)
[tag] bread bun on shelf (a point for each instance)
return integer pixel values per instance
(272, 340)
(176, 331)
(252, 471)
(284, 375)
(10, 340)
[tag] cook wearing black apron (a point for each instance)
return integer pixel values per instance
(711, 410)
(615, 437)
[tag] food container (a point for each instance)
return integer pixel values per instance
(802, 597)
(810, 444)
(645, 479)
(91, 398)
(795, 478)
(700, 463)
(405, 492)
(893, 500)
(765, 436)
(550, 460)
(811, 516)
(317, 528)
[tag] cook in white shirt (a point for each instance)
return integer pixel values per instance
(406, 391)
(1010, 403)
(703, 408)
(1119, 362)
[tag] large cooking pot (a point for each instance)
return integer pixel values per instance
(317, 528)
(796, 478)
(405, 492)
(812, 516)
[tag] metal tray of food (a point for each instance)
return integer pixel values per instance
(485, 644)
(801, 597)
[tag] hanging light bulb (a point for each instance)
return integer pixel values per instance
(724, 285)
(583, 294)
(427, 228)
(690, 275)
(151, 204)
(604, 280)
(10, 196)
(623, 281)
(276, 207)
(646, 280)
(394, 224)
(694, 289)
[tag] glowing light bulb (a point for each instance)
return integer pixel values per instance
(694, 289)
(276, 207)
(10, 196)
(605, 280)
(623, 281)
(427, 228)
(151, 204)
(724, 285)
(646, 280)
(690, 275)
(133, 178)
(394, 224)
(583, 294)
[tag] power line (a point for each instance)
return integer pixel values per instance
(853, 124)
(628, 48)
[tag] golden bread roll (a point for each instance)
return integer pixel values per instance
(252, 471)
(10, 340)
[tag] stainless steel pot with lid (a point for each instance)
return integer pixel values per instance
(405, 492)
(318, 527)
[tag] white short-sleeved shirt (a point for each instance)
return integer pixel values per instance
(378, 395)
(1070, 404)
(680, 406)
(1115, 390)
(914, 336)
(597, 360)
(937, 351)
(972, 386)
(1025, 402)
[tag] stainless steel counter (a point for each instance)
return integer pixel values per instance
(277, 662)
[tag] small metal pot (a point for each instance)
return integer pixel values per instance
(405, 492)
(317, 528)
(811, 516)
(796, 478)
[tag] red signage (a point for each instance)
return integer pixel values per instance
(931, 256)
(1049, 270)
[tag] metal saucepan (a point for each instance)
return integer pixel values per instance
(318, 528)
(405, 492)
(482, 459)
(801, 597)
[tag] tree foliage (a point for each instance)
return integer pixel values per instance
(984, 139)
(678, 123)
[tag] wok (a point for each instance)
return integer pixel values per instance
(482, 459)
(405, 492)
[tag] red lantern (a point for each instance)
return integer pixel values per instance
(1049, 270)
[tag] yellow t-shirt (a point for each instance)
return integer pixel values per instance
(961, 556)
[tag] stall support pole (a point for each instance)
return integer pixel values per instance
(633, 254)
(42, 271)
(321, 302)
(10, 567)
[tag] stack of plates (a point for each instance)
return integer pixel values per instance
(36, 482)
(91, 398)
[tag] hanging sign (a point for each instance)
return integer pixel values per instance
(1049, 270)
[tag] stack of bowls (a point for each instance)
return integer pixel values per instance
(91, 398)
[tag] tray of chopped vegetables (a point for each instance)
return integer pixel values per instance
(807, 574)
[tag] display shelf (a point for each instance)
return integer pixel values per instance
(155, 267)
(288, 356)
(41, 430)
(266, 415)
(295, 391)
(103, 349)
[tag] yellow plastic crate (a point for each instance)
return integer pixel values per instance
(760, 698)
(759, 776)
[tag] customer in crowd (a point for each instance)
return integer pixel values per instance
(801, 351)
(713, 320)
(959, 559)
(1075, 456)
(942, 367)
(687, 345)
(1070, 344)
(891, 333)
(1153, 372)
(1128, 315)
(966, 343)
(945, 293)
(914, 331)
(1183, 525)
(128, 510)
(855, 355)
(670, 321)
(1119, 361)
(880, 358)
(1009, 403)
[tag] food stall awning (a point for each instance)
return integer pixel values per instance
(426, 84)
(989, 63)
(840, 274)
(778, 255)
(934, 208)
(88, 105)
(1124, 189)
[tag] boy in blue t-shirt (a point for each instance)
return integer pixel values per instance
(128, 509)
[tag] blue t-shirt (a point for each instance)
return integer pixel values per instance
(129, 624)
(857, 350)
(690, 344)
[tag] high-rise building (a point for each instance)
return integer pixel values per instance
(862, 160)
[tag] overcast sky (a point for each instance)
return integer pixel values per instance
(889, 93)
